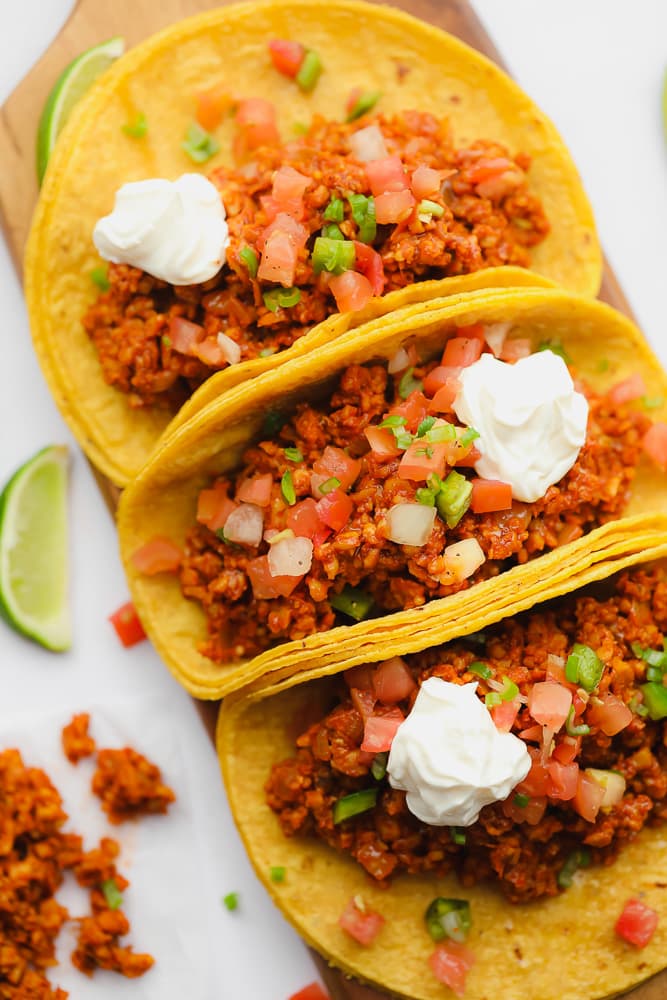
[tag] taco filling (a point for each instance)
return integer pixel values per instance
(578, 690)
(409, 482)
(320, 224)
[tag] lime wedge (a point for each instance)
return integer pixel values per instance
(70, 86)
(33, 549)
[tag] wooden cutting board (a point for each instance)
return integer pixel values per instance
(93, 21)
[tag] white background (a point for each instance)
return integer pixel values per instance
(596, 67)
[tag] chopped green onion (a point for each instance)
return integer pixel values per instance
(334, 256)
(521, 800)
(403, 439)
(603, 365)
(481, 669)
(448, 918)
(267, 352)
(363, 213)
(425, 496)
(98, 276)
(458, 835)
(425, 426)
(443, 432)
(584, 667)
(332, 232)
(277, 873)
(165, 340)
(655, 700)
(578, 859)
(654, 657)
(393, 420)
(509, 691)
(287, 488)
(329, 485)
(300, 128)
(352, 805)
(138, 128)
(379, 765)
(199, 144)
(353, 602)
(281, 298)
(249, 258)
(652, 402)
(409, 384)
(492, 699)
(335, 210)
(636, 706)
(571, 729)
(273, 421)
(112, 893)
(363, 104)
(453, 498)
(434, 481)
(309, 71)
(469, 435)
(231, 901)
(556, 347)
(293, 455)
(429, 208)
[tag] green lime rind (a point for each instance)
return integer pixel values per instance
(34, 550)
(68, 89)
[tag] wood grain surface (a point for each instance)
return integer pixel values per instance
(93, 21)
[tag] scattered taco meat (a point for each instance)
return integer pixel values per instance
(129, 785)
(77, 742)
(595, 781)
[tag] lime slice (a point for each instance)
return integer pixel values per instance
(70, 86)
(33, 549)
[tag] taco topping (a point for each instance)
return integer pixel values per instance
(583, 796)
(404, 203)
(367, 502)
(637, 923)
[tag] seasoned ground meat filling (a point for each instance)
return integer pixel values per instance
(521, 845)
(485, 223)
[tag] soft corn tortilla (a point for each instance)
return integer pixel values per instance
(163, 499)
(159, 78)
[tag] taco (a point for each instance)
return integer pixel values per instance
(389, 485)
(466, 175)
(488, 814)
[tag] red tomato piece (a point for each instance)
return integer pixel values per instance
(515, 350)
(279, 259)
(438, 377)
(549, 704)
(445, 397)
(462, 351)
(335, 509)
(303, 519)
(311, 992)
(611, 716)
(450, 964)
(628, 390)
(284, 223)
(563, 780)
(654, 444)
(637, 923)
(128, 628)
(359, 677)
(256, 490)
(337, 463)
(422, 459)
(266, 587)
(363, 925)
(212, 106)
(352, 99)
(382, 441)
(363, 701)
(289, 184)
(489, 495)
(351, 291)
(487, 168)
(369, 263)
(531, 813)
(210, 352)
(286, 56)
(256, 117)
(394, 206)
(320, 536)
(414, 409)
(473, 330)
(588, 797)
(214, 506)
(392, 681)
(467, 457)
(387, 174)
(532, 733)
(425, 182)
(567, 750)
(158, 555)
(380, 730)
(536, 781)
(184, 334)
(504, 715)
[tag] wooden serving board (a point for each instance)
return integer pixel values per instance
(93, 21)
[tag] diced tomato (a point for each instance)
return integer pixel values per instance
(578, 703)
(352, 99)
(445, 397)
(515, 350)
(128, 628)
(279, 259)
(212, 106)
(414, 409)
(382, 441)
(504, 715)
(467, 458)
(392, 681)
(214, 506)
(628, 390)
(425, 182)
(256, 490)
(286, 56)
(422, 459)
(359, 677)
(387, 175)
(363, 701)
(337, 463)
(351, 291)
(563, 780)
(487, 167)
(158, 555)
(303, 519)
(502, 185)
(439, 377)
(556, 670)
(654, 444)
(311, 992)
(264, 586)
(394, 206)
(380, 730)
(450, 964)
(369, 263)
(289, 184)
(637, 923)
(363, 925)
(256, 117)
(588, 797)
(456, 453)
(532, 733)
(462, 351)
(566, 751)
(320, 536)
(335, 509)
(284, 223)
(536, 781)
(489, 495)
(210, 352)
(184, 334)
(611, 716)
(477, 330)
(549, 704)
(531, 813)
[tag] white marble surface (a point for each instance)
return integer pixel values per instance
(596, 67)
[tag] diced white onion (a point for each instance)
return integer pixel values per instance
(553, 660)
(463, 558)
(613, 784)
(399, 362)
(229, 348)
(368, 144)
(245, 525)
(291, 557)
(495, 335)
(410, 523)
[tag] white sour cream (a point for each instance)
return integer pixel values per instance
(531, 421)
(450, 758)
(174, 230)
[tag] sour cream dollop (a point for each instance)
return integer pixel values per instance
(450, 758)
(174, 230)
(531, 421)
